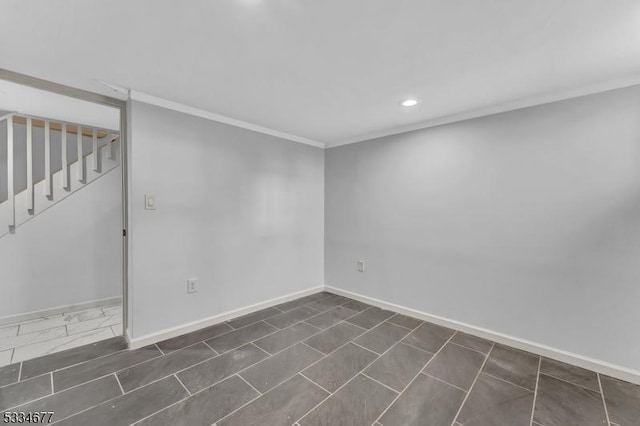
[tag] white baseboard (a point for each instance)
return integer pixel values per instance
(60, 309)
(135, 343)
(622, 373)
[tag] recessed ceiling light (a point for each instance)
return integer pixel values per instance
(409, 102)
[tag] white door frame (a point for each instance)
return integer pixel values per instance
(73, 92)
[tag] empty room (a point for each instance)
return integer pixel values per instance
(306, 212)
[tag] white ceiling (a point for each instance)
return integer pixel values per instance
(329, 70)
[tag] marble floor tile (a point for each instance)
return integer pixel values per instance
(382, 337)
(426, 401)
(623, 401)
(205, 407)
(358, 403)
(398, 366)
(47, 323)
(513, 365)
(286, 337)
(341, 366)
(117, 330)
(9, 331)
(274, 370)
(5, 357)
(93, 324)
(114, 310)
(429, 337)
(31, 338)
(495, 402)
(456, 365)
(334, 337)
(559, 403)
(281, 406)
(31, 334)
(570, 373)
(60, 344)
(85, 315)
(472, 342)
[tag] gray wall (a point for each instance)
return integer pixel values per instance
(526, 223)
(69, 254)
(239, 210)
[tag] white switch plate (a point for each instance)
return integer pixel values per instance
(192, 285)
(149, 202)
(361, 265)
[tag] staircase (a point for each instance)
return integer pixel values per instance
(88, 165)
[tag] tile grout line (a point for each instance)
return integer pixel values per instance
(252, 387)
(370, 350)
(182, 384)
(378, 381)
(312, 364)
(604, 401)
(535, 392)
(317, 384)
(566, 381)
(379, 418)
(207, 345)
(162, 352)
(508, 382)
(415, 347)
(362, 370)
(443, 381)
(473, 384)
(119, 384)
(466, 347)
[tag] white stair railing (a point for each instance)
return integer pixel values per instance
(55, 186)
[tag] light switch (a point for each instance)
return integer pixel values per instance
(149, 202)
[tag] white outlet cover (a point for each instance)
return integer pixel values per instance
(361, 265)
(192, 285)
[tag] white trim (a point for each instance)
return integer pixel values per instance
(531, 101)
(186, 109)
(168, 333)
(60, 309)
(598, 366)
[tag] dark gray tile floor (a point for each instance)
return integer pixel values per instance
(318, 360)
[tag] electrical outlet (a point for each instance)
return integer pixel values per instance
(361, 265)
(192, 285)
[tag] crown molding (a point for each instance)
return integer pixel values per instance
(197, 112)
(497, 109)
